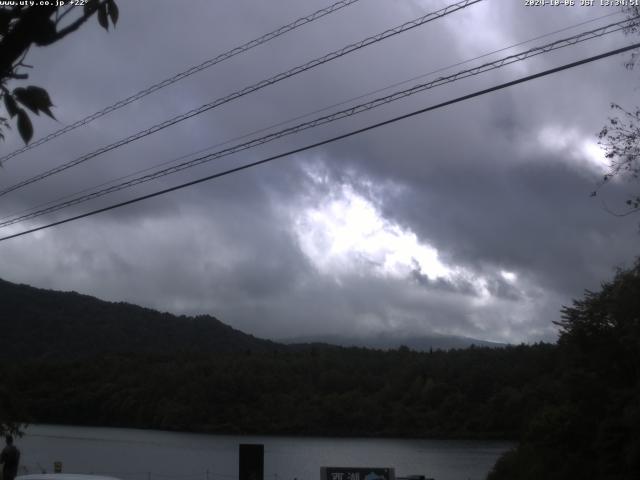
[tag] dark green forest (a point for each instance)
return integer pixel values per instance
(47, 324)
(326, 391)
(590, 428)
(573, 407)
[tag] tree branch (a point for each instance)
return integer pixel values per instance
(625, 214)
(32, 20)
(64, 14)
(21, 36)
(72, 27)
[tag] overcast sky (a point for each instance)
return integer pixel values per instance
(471, 220)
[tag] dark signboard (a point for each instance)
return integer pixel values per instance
(356, 473)
(251, 462)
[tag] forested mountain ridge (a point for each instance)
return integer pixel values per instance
(589, 428)
(79, 360)
(473, 393)
(420, 343)
(39, 323)
(574, 406)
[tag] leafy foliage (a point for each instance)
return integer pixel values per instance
(45, 324)
(621, 142)
(478, 392)
(74, 359)
(42, 324)
(10, 409)
(621, 135)
(593, 431)
(575, 406)
(22, 26)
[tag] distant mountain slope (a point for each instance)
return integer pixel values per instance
(38, 323)
(422, 343)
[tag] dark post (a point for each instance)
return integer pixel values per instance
(251, 462)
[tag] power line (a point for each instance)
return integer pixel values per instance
(245, 91)
(581, 37)
(184, 74)
(330, 140)
(333, 117)
(299, 117)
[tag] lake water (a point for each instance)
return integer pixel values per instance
(154, 455)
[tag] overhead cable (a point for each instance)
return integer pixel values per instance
(245, 91)
(184, 74)
(329, 140)
(305, 115)
(354, 110)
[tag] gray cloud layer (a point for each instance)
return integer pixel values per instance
(497, 184)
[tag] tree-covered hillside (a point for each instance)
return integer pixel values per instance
(478, 392)
(574, 406)
(591, 427)
(37, 323)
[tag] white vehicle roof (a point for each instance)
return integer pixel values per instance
(63, 476)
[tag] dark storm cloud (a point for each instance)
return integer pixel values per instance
(461, 286)
(478, 196)
(479, 181)
(538, 218)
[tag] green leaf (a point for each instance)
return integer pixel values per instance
(23, 96)
(10, 104)
(35, 99)
(5, 19)
(90, 7)
(41, 99)
(45, 32)
(103, 16)
(24, 125)
(114, 12)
